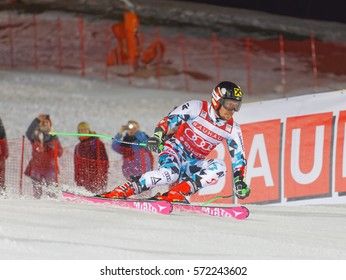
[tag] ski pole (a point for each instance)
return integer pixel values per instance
(216, 198)
(96, 135)
(131, 143)
(80, 134)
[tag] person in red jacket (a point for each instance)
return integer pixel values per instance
(43, 166)
(90, 161)
(3, 156)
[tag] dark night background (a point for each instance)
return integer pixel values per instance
(332, 10)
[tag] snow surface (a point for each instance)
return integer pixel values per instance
(52, 229)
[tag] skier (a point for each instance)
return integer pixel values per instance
(198, 127)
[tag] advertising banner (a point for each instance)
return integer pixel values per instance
(295, 150)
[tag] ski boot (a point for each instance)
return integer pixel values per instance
(123, 191)
(176, 194)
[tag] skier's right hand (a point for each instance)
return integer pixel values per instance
(155, 142)
(241, 189)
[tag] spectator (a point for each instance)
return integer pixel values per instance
(3, 156)
(43, 166)
(136, 159)
(90, 161)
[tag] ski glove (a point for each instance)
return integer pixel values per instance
(155, 142)
(241, 189)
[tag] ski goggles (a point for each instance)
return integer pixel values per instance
(231, 105)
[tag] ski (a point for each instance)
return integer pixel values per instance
(236, 212)
(160, 206)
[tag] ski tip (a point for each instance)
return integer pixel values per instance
(246, 210)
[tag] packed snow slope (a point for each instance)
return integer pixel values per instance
(56, 229)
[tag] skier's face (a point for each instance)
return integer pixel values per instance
(226, 114)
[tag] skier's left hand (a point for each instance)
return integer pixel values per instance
(155, 142)
(241, 189)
